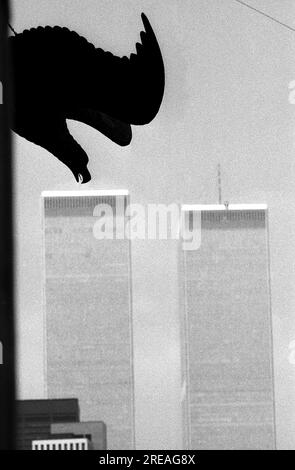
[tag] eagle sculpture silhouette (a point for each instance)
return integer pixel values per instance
(59, 75)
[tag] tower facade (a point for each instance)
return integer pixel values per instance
(87, 307)
(228, 389)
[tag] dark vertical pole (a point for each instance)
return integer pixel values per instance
(7, 379)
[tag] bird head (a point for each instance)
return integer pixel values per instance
(80, 173)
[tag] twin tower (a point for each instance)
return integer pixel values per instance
(226, 389)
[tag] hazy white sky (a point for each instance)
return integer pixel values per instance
(226, 101)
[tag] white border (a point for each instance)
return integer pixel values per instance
(223, 207)
(91, 192)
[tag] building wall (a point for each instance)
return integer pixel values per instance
(97, 431)
(88, 315)
(34, 418)
(62, 444)
(228, 358)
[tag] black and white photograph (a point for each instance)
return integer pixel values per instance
(147, 242)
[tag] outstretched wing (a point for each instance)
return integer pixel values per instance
(58, 68)
(135, 85)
